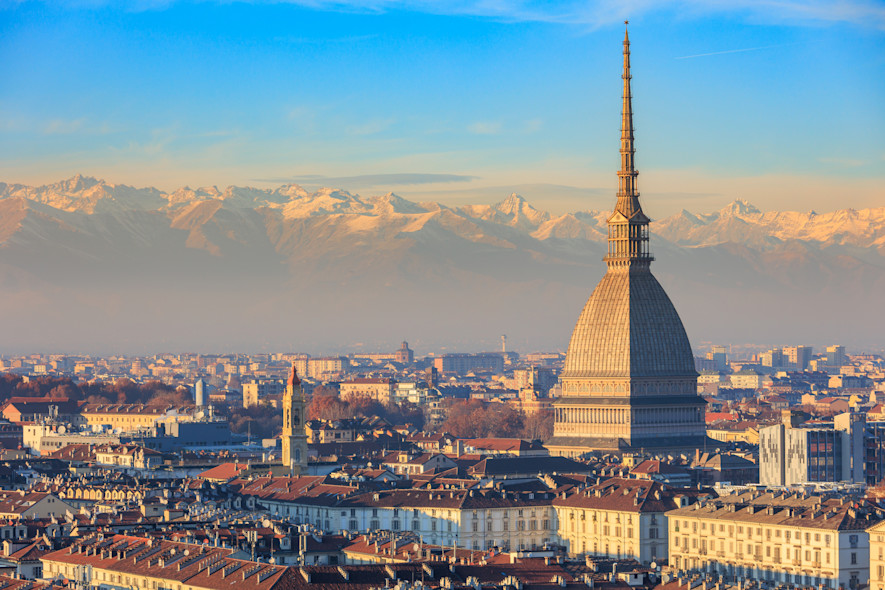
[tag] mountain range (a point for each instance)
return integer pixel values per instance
(91, 266)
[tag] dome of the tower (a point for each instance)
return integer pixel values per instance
(629, 328)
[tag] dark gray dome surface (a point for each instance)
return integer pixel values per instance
(629, 328)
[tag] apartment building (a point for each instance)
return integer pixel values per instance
(852, 450)
(471, 519)
(136, 563)
(380, 390)
(777, 537)
(324, 367)
(129, 417)
(618, 518)
(464, 363)
(877, 556)
(255, 391)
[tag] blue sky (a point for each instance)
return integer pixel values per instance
(780, 103)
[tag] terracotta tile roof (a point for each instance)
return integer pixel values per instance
(9, 583)
(32, 552)
(225, 471)
(829, 400)
(40, 405)
(656, 466)
(197, 565)
(77, 452)
(498, 444)
(626, 495)
(527, 571)
(125, 449)
(787, 510)
(720, 416)
(310, 489)
(407, 550)
(18, 502)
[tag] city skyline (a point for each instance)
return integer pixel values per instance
(460, 104)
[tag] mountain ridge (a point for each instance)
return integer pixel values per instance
(85, 194)
(329, 263)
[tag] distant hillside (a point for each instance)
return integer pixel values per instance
(86, 265)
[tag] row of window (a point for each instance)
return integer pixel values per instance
(729, 531)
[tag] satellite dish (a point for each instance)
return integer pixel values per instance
(62, 429)
(653, 565)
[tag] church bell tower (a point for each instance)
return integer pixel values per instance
(294, 436)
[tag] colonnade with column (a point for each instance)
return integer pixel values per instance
(656, 415)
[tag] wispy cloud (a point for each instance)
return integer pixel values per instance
(323, 40)
(485, 128)
(533, 125)
(160, 139)
(371, 127)
(846, 162)
(371, 180)
(20, 123)
(61, 126)
(727, 51)
(593, 13)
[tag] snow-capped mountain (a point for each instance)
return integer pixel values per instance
(89, 265)
(742, 222)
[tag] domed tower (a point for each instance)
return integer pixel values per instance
(629, 380)
(294, 436)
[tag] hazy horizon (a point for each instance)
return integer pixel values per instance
(460, 103)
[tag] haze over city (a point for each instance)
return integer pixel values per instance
(461, 104)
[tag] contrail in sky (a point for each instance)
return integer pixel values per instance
(728, 51)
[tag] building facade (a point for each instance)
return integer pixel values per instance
(465, 363)
(790, 455)
(326, 367)
(780, 537)
(619, 518)
(255, 391)
(380, 390)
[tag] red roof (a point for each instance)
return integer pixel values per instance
(720, 417)
(656, 466)
(497, 444)
(829, 400)
(225, 471)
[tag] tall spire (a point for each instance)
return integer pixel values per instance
(628, 225)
